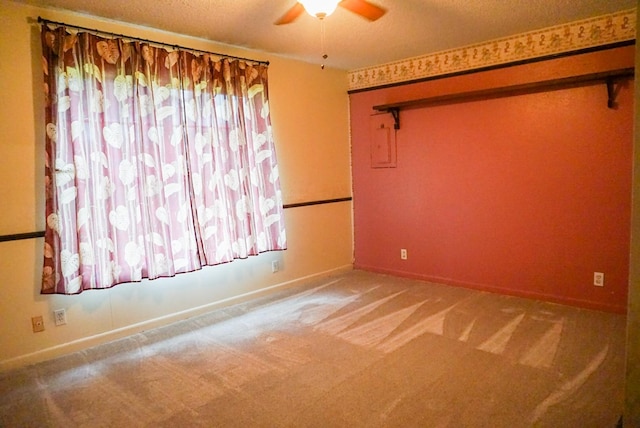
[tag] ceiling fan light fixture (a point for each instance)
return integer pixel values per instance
(320, 8)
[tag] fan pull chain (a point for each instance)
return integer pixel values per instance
(322, 42)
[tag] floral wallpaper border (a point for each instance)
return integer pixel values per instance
(593, 32)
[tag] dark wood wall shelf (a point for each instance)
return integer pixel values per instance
(610, 78)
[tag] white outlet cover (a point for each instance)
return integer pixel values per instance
(598, 279)
(60, 317)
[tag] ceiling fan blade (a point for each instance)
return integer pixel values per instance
(363, 8)
(291, 14)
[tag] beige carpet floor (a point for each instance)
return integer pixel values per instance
(355, 350)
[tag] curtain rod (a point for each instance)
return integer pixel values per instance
(42, 20)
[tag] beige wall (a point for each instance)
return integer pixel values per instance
(310, 119)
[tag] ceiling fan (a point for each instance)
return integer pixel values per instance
(323, 8)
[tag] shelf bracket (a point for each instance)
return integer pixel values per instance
(612, 93)
(395, 112)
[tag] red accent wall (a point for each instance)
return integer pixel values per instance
(525, 195)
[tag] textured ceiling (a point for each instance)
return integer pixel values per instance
(410, 27)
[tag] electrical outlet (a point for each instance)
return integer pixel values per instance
(598, 279)
(275, 266)
(37, 323)
(403, 254)
(60, 316)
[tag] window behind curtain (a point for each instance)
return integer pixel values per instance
(157, 162)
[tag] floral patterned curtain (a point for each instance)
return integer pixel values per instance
(157, 162)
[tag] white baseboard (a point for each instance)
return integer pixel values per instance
(89, 341)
